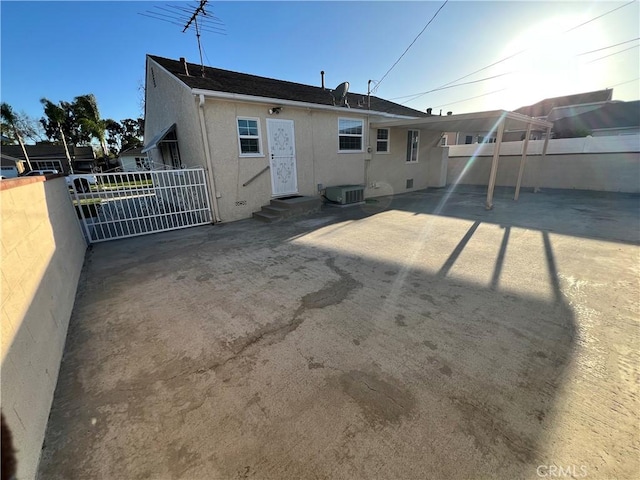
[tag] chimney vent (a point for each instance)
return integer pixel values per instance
(322, 77)
(429, 110)
(449, 113)
(183, 62)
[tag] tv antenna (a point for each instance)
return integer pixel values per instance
(187, 16)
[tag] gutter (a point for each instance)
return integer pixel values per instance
(239, 97)
(207, 153)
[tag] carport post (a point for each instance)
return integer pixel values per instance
(494, 166)
(544, 154)
(525, 146)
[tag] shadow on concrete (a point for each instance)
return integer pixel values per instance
(344, 365)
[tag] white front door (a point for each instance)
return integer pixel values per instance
(282, 157)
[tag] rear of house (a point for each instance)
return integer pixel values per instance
(260, 138)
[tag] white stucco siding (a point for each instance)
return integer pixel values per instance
(317, 156)
(168, 101)
(387, 173)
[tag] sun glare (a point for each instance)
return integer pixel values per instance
(551, 65)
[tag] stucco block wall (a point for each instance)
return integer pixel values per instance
(607, 172)
(317, 157)
(42, 255)
(169, 101)
(610, 164)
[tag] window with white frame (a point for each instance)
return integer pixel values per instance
(350, 135)
(249, 139)
(382, 140)
(413, 138)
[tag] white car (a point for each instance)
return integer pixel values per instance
(37, 173)
(82, 182)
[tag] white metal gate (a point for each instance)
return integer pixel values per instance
(120, 205)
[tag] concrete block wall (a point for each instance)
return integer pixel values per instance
(42, 255)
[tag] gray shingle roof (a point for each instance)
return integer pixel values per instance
(216, 79)
(543, 107)
(610, 115)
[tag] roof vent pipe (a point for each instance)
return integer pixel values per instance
(322, 77)
(183, 62)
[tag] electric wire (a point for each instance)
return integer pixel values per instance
(410, 45)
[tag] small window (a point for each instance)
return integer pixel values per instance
(382, 142)
(350, 135)
(249, 137)
(443, 141)
(413, 137)
(468, 140)
(480, 139)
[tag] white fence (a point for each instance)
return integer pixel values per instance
(610, 164)
(121, 205)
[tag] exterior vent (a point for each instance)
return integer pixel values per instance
(409, 182)
(345, 194)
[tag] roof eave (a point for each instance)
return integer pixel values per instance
(239, 97)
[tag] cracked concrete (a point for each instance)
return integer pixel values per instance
(418, 339)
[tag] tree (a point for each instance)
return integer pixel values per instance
(9, 117)
(125, 134)
(86, 110)
(56, 116)
(69, 123)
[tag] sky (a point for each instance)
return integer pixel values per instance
(60, 50)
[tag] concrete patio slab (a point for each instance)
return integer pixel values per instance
(418, 336)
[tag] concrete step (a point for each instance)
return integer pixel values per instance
(298, 204)
(280, 208)
(267, 217)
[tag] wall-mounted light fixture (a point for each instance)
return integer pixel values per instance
(275, 110)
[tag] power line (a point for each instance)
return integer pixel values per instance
(624, 83)
(410, 45)
(529, 48)
(605, 48)
(616, 53)
(471, 98)
(420, 94)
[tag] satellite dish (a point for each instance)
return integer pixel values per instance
(340, 94)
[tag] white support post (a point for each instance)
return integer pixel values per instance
(544, 154)
(494, 165)
(525, 147)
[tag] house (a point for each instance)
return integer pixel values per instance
(608, 119)
(261, 138)
(133, 160)
(549, 109)
(45, 155)
(11, 166)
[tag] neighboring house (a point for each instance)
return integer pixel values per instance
(549, 109)
(609, 119)
(133, 160)
(261, 138)
(11, 167)
(44, 156)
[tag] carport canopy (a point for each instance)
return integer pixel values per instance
(495, 120)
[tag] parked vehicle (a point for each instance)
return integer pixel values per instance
(37, 173)
(81, 182)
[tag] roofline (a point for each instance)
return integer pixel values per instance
(240, 97)
(466, 116)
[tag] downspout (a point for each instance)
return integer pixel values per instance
(213, 193)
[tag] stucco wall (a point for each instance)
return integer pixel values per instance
(614, 172)
(42, 254)
(317, 157)
(168, 101)
(387, 173)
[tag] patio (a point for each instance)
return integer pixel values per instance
(418, 336)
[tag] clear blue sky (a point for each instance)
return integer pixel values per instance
(60, 50)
